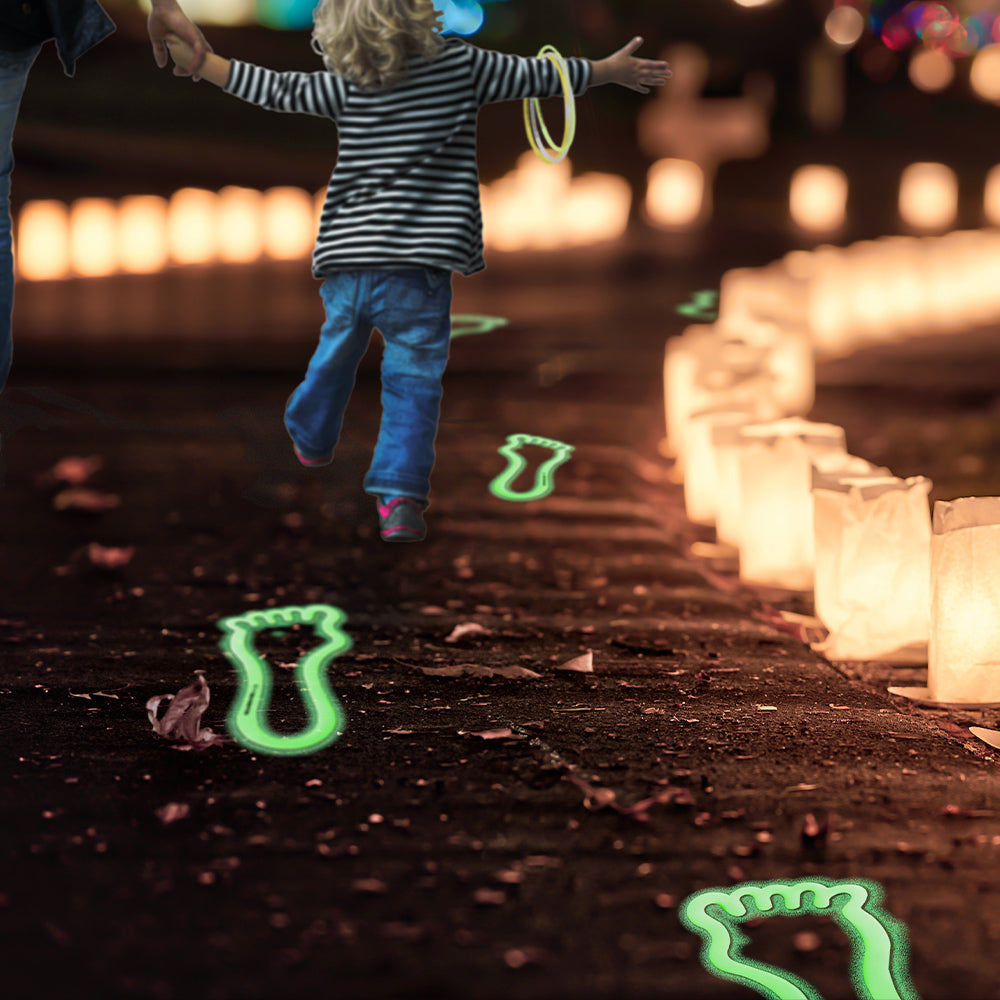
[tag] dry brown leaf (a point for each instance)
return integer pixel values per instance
(107, 557)
(72, 470)
(476, 670)
(583, 664)
(77, 498)
(466, 628)
(182, 720)
(173, 811)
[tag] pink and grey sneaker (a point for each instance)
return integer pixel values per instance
(401, 520)
(312, 463)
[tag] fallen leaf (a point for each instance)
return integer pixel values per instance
(492, 734)
(182, 720)
(490, 897)
(108, 557)
(581, 664)
(466, 628)
(87, 696)
(72, 470)
(173, 811)
(475, 670)
(76, 498)
(373, 886)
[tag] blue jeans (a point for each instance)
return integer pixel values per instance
(412, 309)
(14, 68)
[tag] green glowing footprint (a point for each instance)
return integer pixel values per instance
(466, 325)
(701, 307)
(500, 487)
(247, 720)
(879, 951)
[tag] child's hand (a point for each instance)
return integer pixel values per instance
(182, 53)
(635, 73)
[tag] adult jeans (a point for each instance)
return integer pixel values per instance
(412, 309)
(14, 68)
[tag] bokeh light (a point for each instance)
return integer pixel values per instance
(43, 240)
(240, 221)
(142, 234)
(928, 196)
(92, 250)
(939, 25)
(818, 198)
(460, 17)
(931, 71)
(191, 226)
(675, 193)
(984, 75)
(991, 197)
(844, 26)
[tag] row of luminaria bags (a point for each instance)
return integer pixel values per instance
(890, 584)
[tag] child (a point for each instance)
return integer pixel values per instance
(402, 212)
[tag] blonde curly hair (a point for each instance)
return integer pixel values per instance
(368, 42)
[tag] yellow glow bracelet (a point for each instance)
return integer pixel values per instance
(533, 116)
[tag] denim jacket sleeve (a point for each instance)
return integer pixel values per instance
(78, 25)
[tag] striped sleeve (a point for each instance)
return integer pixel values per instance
(319, 94)
(500, 77)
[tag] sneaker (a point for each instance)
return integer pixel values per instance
(401, 520)
(312, 462)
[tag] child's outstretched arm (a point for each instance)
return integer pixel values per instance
(306, 93)
(627, 71)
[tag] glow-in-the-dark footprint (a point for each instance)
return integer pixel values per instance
(702, 306)
(466, 325)
(879, 949)
(247, 720)
(500, 487)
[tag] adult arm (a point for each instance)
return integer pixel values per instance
(167, 18)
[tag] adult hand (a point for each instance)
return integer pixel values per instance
(167, 18)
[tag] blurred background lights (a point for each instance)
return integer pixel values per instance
(191, 236)
(675, 193)
(92, 250)
(956, 29)
(221, 12)
(142, 234)
(991, 197)
(844, 26)
(928, 196)
(287, 14)
(753, 3)
(43, 240)
(288, 223)
(460, 17)
(984, 76)
(931, 71)
(240, 228)
(818, 198)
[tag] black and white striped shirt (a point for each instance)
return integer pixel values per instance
(405, 191)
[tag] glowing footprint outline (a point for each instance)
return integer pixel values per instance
(254, 686)
(475, 324)
(500, 486)
(879, 949)
(703, 306)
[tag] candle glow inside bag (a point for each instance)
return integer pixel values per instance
(873, 551)
(964, 655)
(702, 487)
(777, 543)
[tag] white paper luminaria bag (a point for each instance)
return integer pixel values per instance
(873, 555)
(964, 654)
